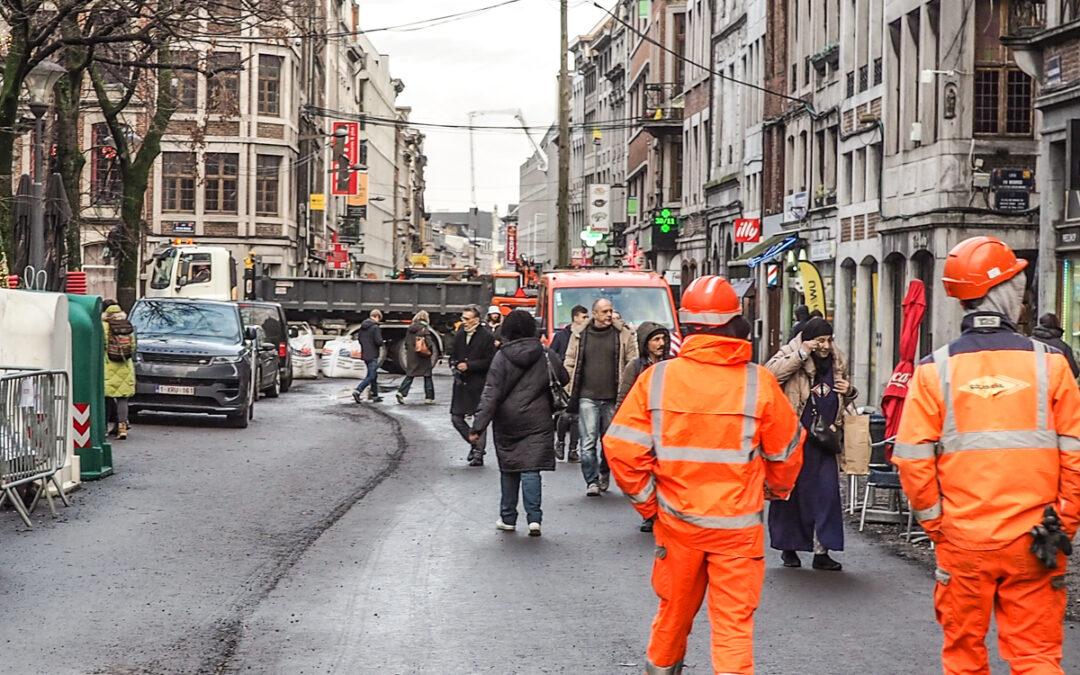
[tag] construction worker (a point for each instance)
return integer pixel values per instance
(989, 455)
(699, 442)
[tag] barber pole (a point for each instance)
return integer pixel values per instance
(772, 276)
(80, 424)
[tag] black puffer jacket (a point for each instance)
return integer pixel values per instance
(1052, 338)
(517, 398)
(370, 339)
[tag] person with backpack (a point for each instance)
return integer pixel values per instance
(419, 346)
(119, 363)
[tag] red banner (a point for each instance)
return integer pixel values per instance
(511, 245)
(343, 181)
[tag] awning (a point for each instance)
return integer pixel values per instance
(742, 286)
(768, 250)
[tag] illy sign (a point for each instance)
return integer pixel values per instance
(747, 230)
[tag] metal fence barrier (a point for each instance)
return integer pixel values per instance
(34, 426)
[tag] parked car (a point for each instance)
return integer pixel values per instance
(267, 365)
(194, 356)
(271, 317)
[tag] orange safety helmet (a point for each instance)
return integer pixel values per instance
(709, 301)
(976, 265)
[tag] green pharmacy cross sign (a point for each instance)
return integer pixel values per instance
(665, 221)
(591, 238)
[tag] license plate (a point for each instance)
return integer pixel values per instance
(177, 391)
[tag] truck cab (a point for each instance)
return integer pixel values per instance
(192, 271)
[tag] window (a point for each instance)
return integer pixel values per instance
(185, 82)
(267, 179)
(178, 182)
(1002, 109)
(269, 84)
(105, 184)
(223, 87)
(220, 182)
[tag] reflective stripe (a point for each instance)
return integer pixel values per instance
(998, 440)
(645, 494)
(750, 407)
(625, 433)
(920, 451)
(928, 514)
(656, 396)
(941, 360)
(783, 456)
(1042, 387)
(704, 455)
(706, 318)
(1069, 443)
(713, 522)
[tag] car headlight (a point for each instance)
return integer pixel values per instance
(226, 359)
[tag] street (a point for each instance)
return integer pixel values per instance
(304, 545)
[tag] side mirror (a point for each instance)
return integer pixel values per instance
(251, 333)
(183, 272)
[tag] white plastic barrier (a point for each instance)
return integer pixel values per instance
(305, 360)
(341, 358)
(35, 333)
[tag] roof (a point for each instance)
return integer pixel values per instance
(480, 222)
(612, 277)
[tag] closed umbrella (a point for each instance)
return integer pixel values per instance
(57, 217)
(20, 219)
(892, 401)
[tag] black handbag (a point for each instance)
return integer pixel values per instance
(824, 434)
(560, 400)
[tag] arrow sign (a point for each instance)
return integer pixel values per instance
(80, 424)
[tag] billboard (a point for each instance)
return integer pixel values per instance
(346, 152)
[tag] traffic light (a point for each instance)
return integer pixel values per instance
(665, 229)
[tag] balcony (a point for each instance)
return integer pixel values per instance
(1027, 17)
(663, 107)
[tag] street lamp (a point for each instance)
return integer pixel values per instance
(40, 82)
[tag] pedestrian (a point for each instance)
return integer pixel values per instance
(494, 323)
(698, 444)
(1049, 332)
(814, 376)
(595, 359)
(567, 422)
(517, 401)
(802, 315)
(988, 450)
(654, 345)
(371, 342)
(470, 358)
(120, 346)
(419, 348)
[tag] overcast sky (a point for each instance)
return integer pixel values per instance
(504, 58)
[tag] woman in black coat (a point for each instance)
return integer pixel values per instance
(416, 364)
(517, 398)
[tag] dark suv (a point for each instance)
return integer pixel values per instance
(194, 356)
(271, 317)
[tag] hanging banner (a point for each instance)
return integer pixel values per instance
(346, 153)
(600, 208)
(813, 288)
(511, 245)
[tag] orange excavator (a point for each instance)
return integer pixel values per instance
(516, 289)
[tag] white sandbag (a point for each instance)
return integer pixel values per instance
(341, 358)
(305, 362)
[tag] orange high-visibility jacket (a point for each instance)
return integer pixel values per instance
(989, 436)
(699, 437)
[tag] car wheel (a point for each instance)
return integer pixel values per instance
(286, 382)
(238, 420)
(275, 389)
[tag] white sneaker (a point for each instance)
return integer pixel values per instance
(534, 529)
(500, 525)
(593, 490)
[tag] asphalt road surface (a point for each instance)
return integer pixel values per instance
(332, 538)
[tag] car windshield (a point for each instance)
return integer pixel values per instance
(635, 304)
(161, 274)
(187, 319)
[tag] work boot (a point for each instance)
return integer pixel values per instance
(822, 561)
(560, 451)
(791, 559)
(574, 457)
(121, 431)
(476, 458)
(646, 525)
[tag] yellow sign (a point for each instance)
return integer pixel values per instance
(813, 288)
(361, 197)
(317, 201)
(419, 260)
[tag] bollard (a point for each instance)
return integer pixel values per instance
(88, 387)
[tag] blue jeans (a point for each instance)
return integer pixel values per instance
(529, 483)
(594, 418)
(370, 379)
(429, 386)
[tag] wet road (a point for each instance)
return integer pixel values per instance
(415, 579)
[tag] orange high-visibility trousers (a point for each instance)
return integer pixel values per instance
(681, 576)
(1027, 599)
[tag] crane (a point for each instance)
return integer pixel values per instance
(520, 117)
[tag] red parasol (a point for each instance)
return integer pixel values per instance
(892, 401)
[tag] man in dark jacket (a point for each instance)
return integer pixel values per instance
(370, 343)
(470, 358)
(1049, 332)
(567, 422)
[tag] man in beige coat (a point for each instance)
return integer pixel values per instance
(595, 360)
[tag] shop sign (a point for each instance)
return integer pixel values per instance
(600, 208)
(511, 244)
(1069, 237)
(747, 230)
(1011, 200)
(822, 250)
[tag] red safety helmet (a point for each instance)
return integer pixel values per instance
(976, 265)
(709, 301)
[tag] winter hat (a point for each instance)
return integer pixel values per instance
(816, 328)
(493, 310)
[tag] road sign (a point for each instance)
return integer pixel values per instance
(747, 230)
(80, 424)
(317, 201)
(346, 152)
(511, 244)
